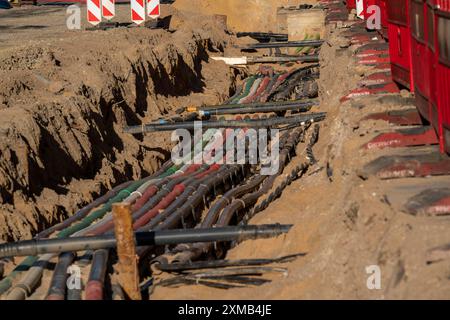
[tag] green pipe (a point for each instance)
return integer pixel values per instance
(6, 283)
(99, 213)
(248, 85)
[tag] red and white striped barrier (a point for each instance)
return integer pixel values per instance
(360, 9)
(108, 9)
(153, 9)
(137, 11)
(94, 12)
(96, 9)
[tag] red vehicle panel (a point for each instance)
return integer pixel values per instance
(384, 18)
(432, 62)
(443, 69)
(420, 56)
(400, 42)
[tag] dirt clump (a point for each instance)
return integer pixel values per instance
(64, 102)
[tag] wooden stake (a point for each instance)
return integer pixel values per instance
(128, 260)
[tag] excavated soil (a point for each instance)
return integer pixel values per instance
(248, 16)
(65, 98)
(66, 95)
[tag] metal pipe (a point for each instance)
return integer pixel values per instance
(159, 237)
(255, 105)
(31, 278)
(75, 293)
(178, 267)
(288, 44)
(57, 289)
(94, 287)
(301, 107)
(263, 36)
(249, 123)
(306, 58)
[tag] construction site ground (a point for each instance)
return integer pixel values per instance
(65, 96)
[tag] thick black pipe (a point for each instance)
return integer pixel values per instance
(301, 107)
(254, 105)
(160, 237)
(281, 59)
(95, 286)
(99, 263)
(249, 123)
(212, 264)
(263, 36)
(75, 293)
(288, 44)
(2, 269)
(57, 290)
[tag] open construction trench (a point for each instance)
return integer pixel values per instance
(83, 130)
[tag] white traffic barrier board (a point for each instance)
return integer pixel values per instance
(94, 13)
(360, 9)
(108, 9)
(137, 11)
(153, 8)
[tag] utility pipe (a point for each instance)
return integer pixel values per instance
(260, 90)
(249, 105)
(263, 36)
(57, 290)
(158, 237)
(301, 107)
(250, 123)
(94, 287)
(288, 44)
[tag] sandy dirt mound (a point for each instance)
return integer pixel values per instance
(63, 103)
(249, 15)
